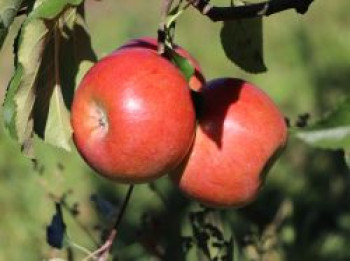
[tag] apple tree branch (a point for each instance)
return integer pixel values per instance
(102, 253)
(250, 10)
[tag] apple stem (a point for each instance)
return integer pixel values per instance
(165, 8)
(123, 208)
(249, 10)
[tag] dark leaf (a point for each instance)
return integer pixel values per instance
(209, 235)
(215, 232)
(242, 41)
(104, 207)
(231, 250)
(55, 232)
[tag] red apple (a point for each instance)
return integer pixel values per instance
(239, 135)
(196, 81)
(132, 116)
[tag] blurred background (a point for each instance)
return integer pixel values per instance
(303, 212)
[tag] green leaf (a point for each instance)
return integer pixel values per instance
(83, 69)
(331, 132)
(49, 58)
(9, 108)
(183, 64)
(58, 129)
(51, 9)
(30, 44)
(242, 42)
(8, 11)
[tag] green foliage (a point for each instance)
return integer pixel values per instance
(179, 61)
(330, 132)
(52, 43)
(8, 11)
(210, 239)
(243, 44)
(51, 9)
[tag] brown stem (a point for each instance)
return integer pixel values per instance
(250, 10)
(105, 249)
(122, 210)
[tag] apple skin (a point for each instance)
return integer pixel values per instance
(132, 116)
(195, 82)
(240, 134)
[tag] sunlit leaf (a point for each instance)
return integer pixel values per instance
(331, 132)
(83, 68)
(9, 109)
(8, 11)
(242, 41)
(52, 45)
(58, 128)
(50, 9)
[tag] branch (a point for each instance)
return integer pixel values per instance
(123, 208)
(21, 12)
(250, 10)
(103, 252)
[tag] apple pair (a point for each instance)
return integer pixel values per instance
(134, 120)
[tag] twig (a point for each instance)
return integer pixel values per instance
(103, 252)
(22, 12)
(166, 5)
(176, 16)
(284, 211)
(122, 210)
(80, 248)
(250, 10)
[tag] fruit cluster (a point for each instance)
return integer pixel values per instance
(134, 120)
